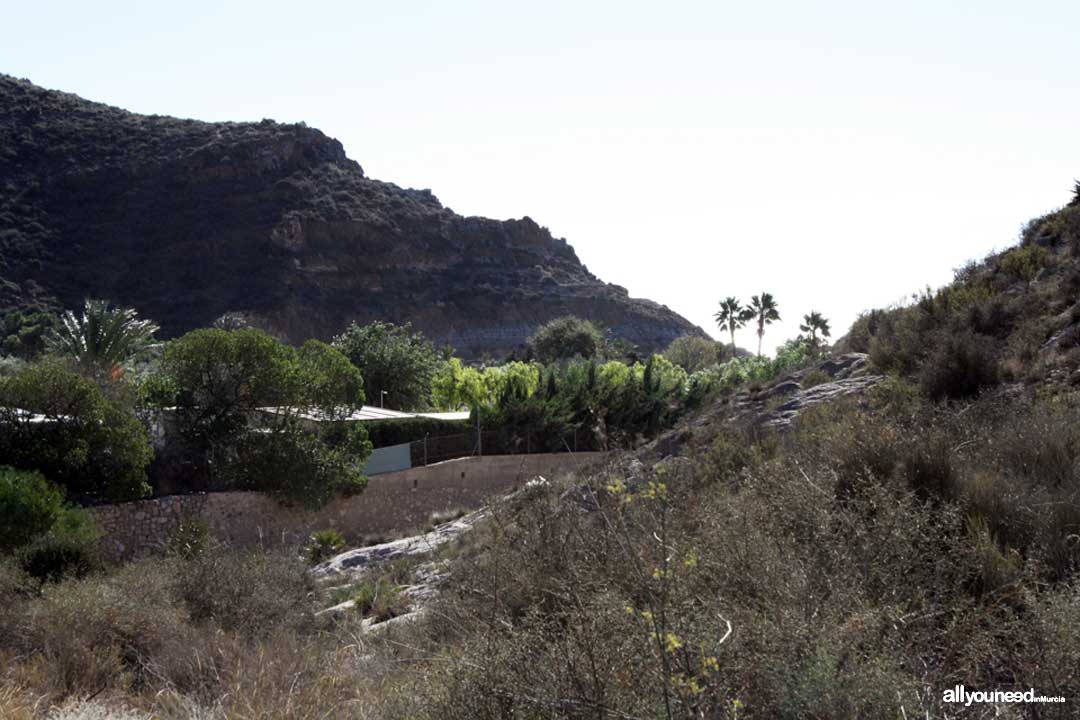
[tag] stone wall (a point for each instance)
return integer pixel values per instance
(393, 503)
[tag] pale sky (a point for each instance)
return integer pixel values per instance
(837, 154)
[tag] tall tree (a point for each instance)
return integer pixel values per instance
(815, 323)
(730, 317)
(567, 337)
(246, 405)
(102, 339)
(763, 308)
(396, 363)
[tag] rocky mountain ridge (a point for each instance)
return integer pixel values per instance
(188, 220)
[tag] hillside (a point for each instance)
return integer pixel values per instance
(852, 537)
(187, 220)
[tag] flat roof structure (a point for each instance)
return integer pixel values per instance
(369, 413)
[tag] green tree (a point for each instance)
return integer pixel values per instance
(60, 423)
(23, 335)
(393, 360)
(331, 384)
(763, 309)
(566, 337)
(693, 353)
(458, 386)
(102, 339)
(730, 317)
(261, 415)
(815, 324)
(29, 505)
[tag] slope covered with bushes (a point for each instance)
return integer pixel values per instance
(882, 549)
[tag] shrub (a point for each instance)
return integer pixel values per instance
(324, 544)
(222, 383)
(927, 467)
(190, 539)
(693, 353)
(301, 468)
(29, 506)
(15, 587)
(87, 444)
(22, 335)
(380, 600)
(394, 432)
(250, 593)
(1023, 263)
(959, 367)
(862, 331)
(68, 550)
(109, 631)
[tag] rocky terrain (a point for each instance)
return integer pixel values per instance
(188, 220)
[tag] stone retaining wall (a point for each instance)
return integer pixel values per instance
(393, 503)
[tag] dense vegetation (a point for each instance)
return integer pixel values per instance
(242, 403)
(890, 546)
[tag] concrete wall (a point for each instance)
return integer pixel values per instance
(393, 503)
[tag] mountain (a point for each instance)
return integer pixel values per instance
(187, 220)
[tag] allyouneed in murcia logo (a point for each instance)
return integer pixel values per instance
(960, 694)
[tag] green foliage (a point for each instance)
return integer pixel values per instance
(49, 539)
(764, 311)
(380, 600)
(81, 440)
(23, 335)
(29, 506)
(727, 376)
(566, 338)
(815, 324)
(394, 432)
(102, 339)
(331, 383)
(245, 404)
(1023, 263)
(323, 544)
(693, 353)
(393, 360)
(518, 379)
(605, 405)
(456, 386)
(960, 366)
(68, 549)
(730, 317)
(190, 539)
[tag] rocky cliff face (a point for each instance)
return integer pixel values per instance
(188, 220)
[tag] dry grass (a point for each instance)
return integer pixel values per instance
(850, 570)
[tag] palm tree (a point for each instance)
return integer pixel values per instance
(103, 338)
(730, 317)
(815, 323)
(763, 308)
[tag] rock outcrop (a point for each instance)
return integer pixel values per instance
(188, 220)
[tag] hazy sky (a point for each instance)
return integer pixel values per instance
(837, 154)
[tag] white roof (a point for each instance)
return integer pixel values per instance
(34, 418)
(368, 413)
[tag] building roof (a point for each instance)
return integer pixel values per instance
(369, 413)
(32, 418)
